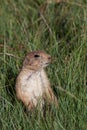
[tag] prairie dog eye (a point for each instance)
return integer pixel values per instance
(36, 56)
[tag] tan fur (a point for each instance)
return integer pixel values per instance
(32, 84)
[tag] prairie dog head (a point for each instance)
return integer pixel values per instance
(36, 60)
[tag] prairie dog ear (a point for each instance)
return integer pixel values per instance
(26, 61)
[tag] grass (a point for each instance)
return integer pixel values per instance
(61, 30)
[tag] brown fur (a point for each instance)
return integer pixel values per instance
(32, 84)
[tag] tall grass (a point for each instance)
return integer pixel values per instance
(61, 30)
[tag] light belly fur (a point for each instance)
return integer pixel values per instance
(33, 88)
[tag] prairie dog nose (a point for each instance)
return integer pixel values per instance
(49, 58)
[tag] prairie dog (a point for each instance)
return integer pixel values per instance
(32, 84)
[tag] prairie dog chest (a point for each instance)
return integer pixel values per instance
(35, 84)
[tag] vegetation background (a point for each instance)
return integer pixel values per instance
(61, 30)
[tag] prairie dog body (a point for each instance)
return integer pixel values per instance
(32, 84)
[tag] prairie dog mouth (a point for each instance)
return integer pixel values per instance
(45, 64)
